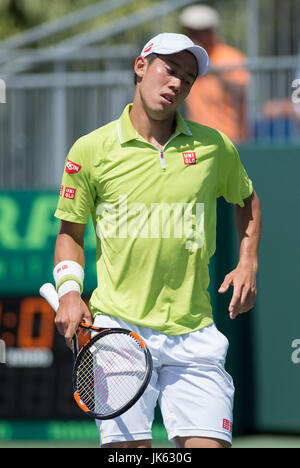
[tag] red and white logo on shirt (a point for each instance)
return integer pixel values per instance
(189, 158)
(72, 168)
(70, 193)
(227, 425)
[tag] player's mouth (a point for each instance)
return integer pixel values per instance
(169, 98)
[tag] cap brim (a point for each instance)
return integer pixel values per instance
(201, 57)
(200, 54)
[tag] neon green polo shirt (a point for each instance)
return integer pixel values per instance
(154, 214)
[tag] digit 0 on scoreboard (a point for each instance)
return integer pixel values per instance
(27, 323)
(37, 362)
(29, 335)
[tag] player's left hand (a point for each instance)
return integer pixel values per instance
(243, 280)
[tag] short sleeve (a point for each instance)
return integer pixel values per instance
(233, 181)
(77, 193)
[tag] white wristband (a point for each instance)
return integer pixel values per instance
(67, 287)
(68, 270)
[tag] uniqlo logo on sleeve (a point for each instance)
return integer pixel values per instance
(227, 425)
(72, 168)
(189, 158)
(70, 193)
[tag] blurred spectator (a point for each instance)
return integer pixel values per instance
(217, 99)
(281, 117)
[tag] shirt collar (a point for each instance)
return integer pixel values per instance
(127, 132)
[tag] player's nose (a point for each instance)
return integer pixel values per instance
(175, 84)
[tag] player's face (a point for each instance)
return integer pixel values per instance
(166, 82)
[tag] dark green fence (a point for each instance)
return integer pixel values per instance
(260, 358)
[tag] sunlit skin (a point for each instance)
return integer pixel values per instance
(162, 87)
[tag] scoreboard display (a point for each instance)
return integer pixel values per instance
(36, 379)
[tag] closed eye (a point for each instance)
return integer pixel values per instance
(173, 72)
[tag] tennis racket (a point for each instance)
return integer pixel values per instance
(111, 371)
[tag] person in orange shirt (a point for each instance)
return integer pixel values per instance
(218, 99)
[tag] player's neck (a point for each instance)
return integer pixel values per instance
(156, 132)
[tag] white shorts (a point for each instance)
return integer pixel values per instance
(189, 382)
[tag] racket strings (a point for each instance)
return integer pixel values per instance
(111, 372)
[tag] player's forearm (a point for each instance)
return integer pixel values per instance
(67, 248)
(69, 259)
(69, 251)
(69, 245)
(248, 224)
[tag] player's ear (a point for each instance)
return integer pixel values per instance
(140, 67)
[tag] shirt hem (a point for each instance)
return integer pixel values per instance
(170, 331)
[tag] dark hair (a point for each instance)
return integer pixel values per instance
(150, 58)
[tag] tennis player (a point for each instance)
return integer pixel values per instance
(151, 181)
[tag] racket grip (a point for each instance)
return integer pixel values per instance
(48, 292)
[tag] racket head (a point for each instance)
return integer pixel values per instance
(111, 372)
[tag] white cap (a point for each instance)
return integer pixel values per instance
(200, 17)
(171, 43)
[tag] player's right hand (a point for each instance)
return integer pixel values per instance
(72, 311)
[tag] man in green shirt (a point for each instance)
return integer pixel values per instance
(151, 181)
